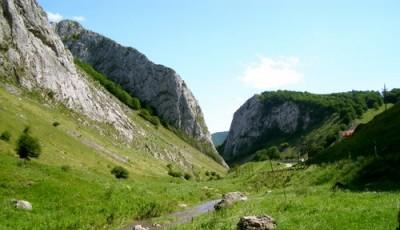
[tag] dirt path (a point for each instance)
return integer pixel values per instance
(177, 218)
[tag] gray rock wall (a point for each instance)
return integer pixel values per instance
(253, 120)
(157, 86)
(34, 55)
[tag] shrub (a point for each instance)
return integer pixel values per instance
(283, 146)
(175, 173)
(149, 210)
(187, 176)
(5, 136)
(65, 168)
(265, 154)
(120, 173)
(56, 123)
(146, 114)
(28, 146)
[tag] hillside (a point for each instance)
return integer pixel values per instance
(219, 138)
(379, 142)
(295, 122)
(74, 168)
(159, 88)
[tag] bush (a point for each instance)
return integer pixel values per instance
(265, 154)
(146, 114)
(283, 146)
(120, 173)
(175, 173)
(187, 176)
(56, 123)
(28, 146)
(5, 136)
(65, 168)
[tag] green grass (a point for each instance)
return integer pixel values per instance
(71, 186)
(304, 199)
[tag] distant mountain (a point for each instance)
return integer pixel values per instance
(160, 88)
(218, 138)
(305, 121)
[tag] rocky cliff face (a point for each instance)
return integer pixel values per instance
(33, 54)
(254, 122)
(157, 86)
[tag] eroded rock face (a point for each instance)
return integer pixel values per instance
(229, 199)
(157, 86)
(253, 121)
(263, 222)
(34, 55)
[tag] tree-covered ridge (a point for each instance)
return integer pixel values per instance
(349, 105)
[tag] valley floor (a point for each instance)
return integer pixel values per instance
(70, 186)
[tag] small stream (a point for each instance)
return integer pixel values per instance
(177, 218)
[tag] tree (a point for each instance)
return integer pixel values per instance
(120, 173)
(28, 146)
(264, 154)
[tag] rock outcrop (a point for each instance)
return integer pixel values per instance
(254, 121)
(263, 222)
(155, 85)
(229, 199)
(22, 204)
(32, 54)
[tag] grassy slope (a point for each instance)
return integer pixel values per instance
(303, 198)
(86, 196)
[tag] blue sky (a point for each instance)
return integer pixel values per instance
(228, 50)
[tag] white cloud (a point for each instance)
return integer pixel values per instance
(54, 17)
(78, 18)
(272, 73)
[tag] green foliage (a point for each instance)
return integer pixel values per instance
(76, 36)
(120, 172)
(283, 146)
(28, 146)
(149, 210)
(147, 115)
(5, 136)
(349, 105)
(110, 85)
(267, 154)
(392, 96)
(175, 173)
(187, 176)
(65, 168)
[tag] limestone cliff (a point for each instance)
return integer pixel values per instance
(33, 54)
(254, 121)
(157, 86)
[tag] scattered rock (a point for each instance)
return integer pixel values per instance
(157, 225)
(262, 222)
(182, 205)
(22, 204)
(229, 199)
(139, 227)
